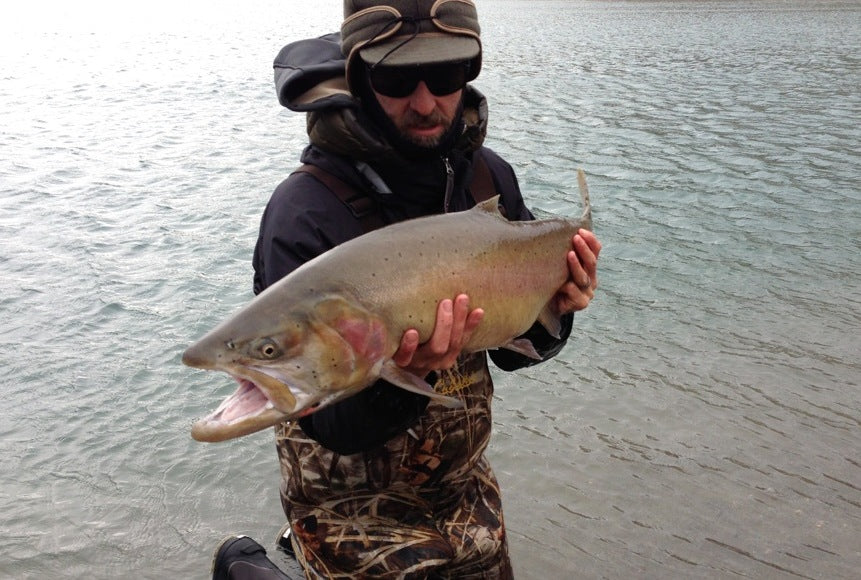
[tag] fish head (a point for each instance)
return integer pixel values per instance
(288, 363)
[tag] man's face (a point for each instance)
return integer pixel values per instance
(421, 101)
(422, 117)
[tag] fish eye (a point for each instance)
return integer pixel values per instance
(268, 348)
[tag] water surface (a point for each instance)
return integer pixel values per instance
(704, 420)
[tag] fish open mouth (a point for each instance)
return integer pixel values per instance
(246, 411)
(247, 400)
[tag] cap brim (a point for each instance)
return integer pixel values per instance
(421, 49)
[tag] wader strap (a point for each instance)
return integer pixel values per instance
(365, 209)
(360, 204)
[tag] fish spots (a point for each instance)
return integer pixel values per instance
(416, 321)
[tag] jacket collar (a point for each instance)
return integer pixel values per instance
(349, 131)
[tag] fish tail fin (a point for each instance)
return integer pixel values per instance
(586, 218)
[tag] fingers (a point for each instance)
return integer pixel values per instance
(579, 275)
(449, 334)
(475, 316)
(571, 298)
(592, 241)
(586, 250)
(409, 343)
(583, 273)
(464, 322)
(454, 325)
(442, 330)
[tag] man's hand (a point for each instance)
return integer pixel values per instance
(455, 323)
(579, 290)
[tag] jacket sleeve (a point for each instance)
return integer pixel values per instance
(301, 221)
(365, 420)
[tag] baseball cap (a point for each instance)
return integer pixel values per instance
(410, 33)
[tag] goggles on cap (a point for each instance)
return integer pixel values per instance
(410, 33)
(401, 81)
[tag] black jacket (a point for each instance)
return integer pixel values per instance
(304, 218)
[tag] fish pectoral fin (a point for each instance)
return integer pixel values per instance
(522, 346)
(410, 382)
(550, 321)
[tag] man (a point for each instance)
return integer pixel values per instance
(384, 483)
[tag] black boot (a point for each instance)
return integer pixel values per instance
(241, 558)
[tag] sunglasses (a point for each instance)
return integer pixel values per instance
(400, 81)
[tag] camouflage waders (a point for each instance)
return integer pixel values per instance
(424, 505)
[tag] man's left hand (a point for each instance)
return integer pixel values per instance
(579, 290)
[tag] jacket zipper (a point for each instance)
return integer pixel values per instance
(449, 183)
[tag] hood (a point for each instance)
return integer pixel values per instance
(310, 77)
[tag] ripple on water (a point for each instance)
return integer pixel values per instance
(701, 422)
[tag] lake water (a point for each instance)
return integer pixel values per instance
(703, 422)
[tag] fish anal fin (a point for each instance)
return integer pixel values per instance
(410, 382)
(522, 346)
(550, 321)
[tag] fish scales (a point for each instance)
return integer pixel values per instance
(511, 271)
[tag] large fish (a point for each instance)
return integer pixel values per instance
(330, 328)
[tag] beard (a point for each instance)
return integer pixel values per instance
(412, 120)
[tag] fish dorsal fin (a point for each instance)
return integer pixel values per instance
(490, 206)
